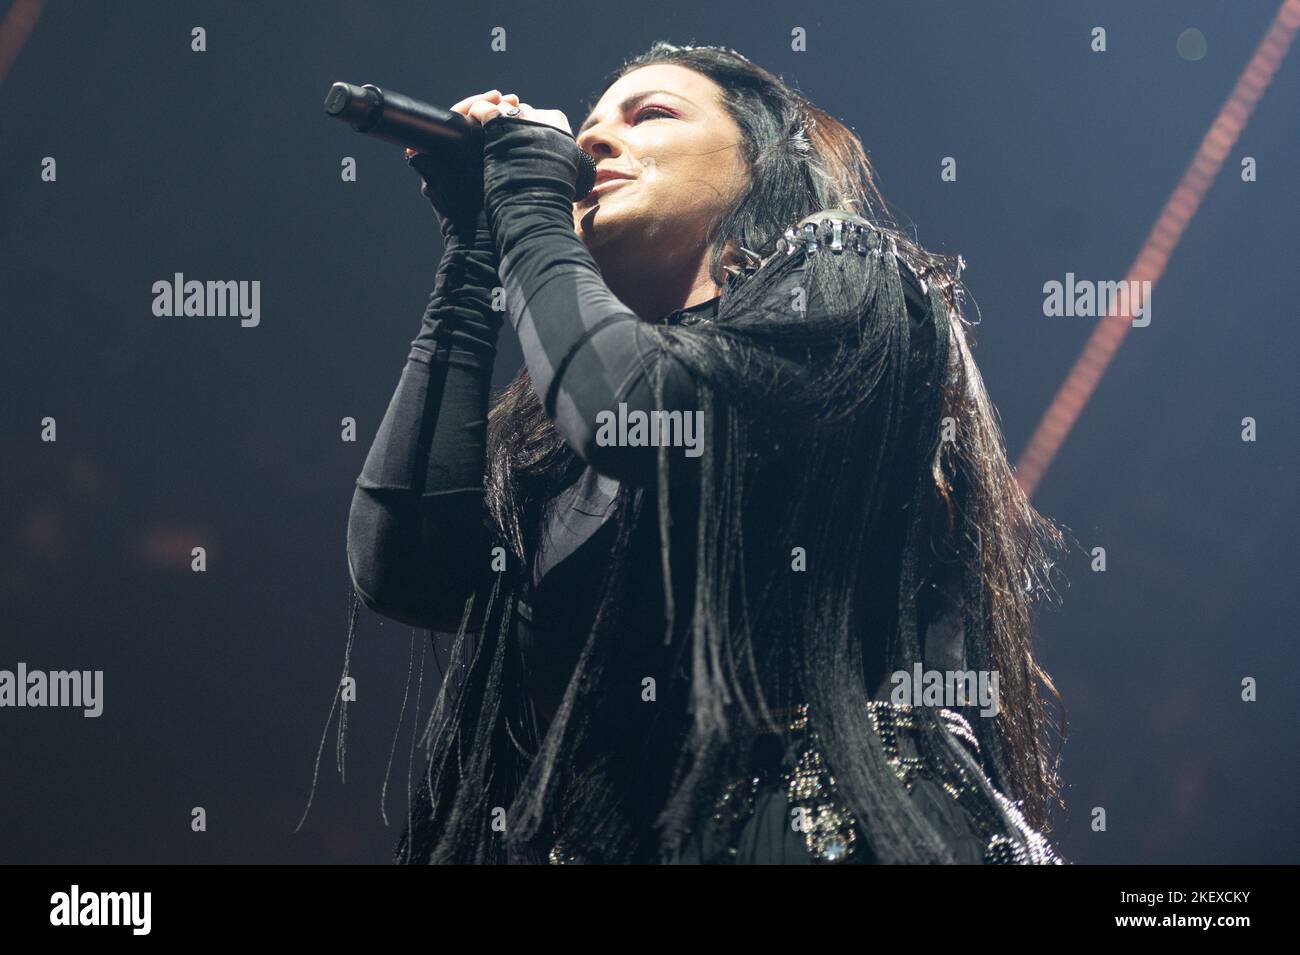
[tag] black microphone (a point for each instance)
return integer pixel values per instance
(421, 126)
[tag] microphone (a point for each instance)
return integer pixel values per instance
(421, 126)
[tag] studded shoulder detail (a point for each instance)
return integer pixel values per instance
(805, 233)
(832, 228)
(839, 230)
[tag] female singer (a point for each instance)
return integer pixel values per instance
(748, 479)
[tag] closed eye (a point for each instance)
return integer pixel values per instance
(637, 116)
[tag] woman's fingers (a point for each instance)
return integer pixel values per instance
(482, 110)
(463, 107)
(493, 96)
(485, 109)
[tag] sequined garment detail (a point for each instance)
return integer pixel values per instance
(830, 832)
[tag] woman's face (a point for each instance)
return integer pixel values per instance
(664, 127)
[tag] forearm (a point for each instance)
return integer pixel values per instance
(587, 353)
(417, 536)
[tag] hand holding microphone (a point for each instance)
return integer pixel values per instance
(482, 111)
(451, 181)
(452, 140)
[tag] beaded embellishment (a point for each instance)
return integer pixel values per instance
(830, 831)
(559, 856)
(888, 718)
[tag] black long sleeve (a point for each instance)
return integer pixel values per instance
(418, 536)
(418, 540)
(586, 351)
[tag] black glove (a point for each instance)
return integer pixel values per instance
(527, 159)
(460, 309)
(453, 184)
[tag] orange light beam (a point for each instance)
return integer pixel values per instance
(1160, 243)
(16, 27)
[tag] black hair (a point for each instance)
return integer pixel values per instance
(902, 526)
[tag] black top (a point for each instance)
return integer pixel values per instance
(571, 558)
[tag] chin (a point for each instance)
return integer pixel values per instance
(594, 224)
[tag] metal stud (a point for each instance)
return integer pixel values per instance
(859, 245)
(810, 238)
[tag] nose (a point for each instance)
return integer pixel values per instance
(598, 143)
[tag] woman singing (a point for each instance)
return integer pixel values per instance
(748, 480)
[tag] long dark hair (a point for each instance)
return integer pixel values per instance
(902, 527)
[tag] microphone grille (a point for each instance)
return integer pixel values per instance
(586, 176)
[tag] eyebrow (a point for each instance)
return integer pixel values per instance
(628, 103)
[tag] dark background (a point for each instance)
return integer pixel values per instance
(175, 432)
